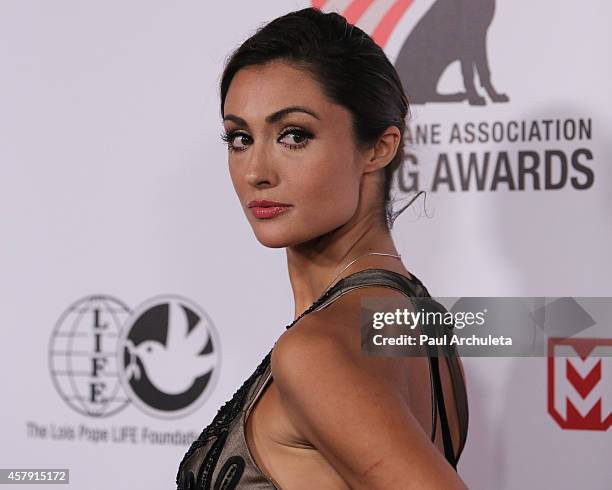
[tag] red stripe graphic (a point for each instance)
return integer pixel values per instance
(389, 21)
(355, 10)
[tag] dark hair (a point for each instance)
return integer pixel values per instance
(351, 68)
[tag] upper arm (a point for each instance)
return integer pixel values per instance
(348, 407)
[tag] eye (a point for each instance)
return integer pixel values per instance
(295, 138)
(236, 141)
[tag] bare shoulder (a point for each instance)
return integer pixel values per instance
(324, 338)
(349, 406)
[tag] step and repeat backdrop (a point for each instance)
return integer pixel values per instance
(136, 300)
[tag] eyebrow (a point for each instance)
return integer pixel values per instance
(275, 116)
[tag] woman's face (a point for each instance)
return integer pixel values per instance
(289, 143)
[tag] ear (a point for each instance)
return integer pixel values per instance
(384, 150)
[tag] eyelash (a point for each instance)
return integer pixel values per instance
(229, 136)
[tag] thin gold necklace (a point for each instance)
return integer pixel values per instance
(355, 260)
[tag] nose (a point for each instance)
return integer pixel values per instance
(260, 167)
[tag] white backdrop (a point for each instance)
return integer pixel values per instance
(114, 193)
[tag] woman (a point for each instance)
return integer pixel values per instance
(314, 115)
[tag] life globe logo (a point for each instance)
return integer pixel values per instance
(164, 357)
(82, 355)
(168, 357)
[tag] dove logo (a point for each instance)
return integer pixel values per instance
(169, 357)
(580, 386)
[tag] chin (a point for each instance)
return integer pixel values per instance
(274, 243)
(272, 238)
(282, 235)
(288, 235)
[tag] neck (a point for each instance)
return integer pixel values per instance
(312, 265)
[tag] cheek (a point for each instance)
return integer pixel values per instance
(327, 190)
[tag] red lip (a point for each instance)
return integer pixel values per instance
(262, 203)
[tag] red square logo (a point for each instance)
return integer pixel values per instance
(580, 382)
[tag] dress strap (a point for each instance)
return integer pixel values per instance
(447, 440)
(460, 393)
(374, 277)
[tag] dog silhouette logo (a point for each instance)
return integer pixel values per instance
(451, 30)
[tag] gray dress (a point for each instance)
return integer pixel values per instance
(219, 459)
